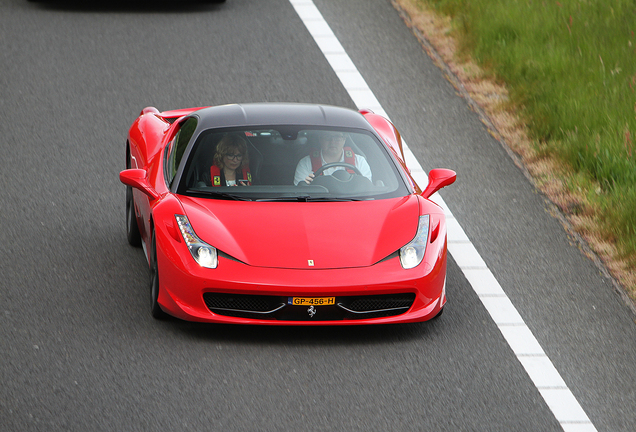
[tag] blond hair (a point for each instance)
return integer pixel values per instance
(228, 143)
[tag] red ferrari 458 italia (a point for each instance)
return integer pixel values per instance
(283, 214)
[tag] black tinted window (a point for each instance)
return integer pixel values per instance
(179, 144)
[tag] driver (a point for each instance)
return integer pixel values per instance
(332, 149)
(231, 162)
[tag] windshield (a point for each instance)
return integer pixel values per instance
(292, 163)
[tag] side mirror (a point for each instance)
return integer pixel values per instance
(437, 179)
(137, 178)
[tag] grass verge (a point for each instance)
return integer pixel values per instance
(558, 81)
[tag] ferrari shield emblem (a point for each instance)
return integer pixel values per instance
(310, 263)
(217, 180)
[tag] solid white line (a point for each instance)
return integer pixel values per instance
(527, 349)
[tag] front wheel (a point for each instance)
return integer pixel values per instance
(439, 314)
(155, 309)
(132, 228)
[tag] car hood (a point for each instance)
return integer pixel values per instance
(305, 235)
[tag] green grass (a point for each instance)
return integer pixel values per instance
(570, 67)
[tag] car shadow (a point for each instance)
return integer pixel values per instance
(128, 6)
(305, 335)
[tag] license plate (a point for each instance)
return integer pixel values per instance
(311, 301)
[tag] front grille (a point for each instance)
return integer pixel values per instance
(251, 303)
(276, 307)
(390, 301)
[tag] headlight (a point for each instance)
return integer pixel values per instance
(413, 253)
(204, 254)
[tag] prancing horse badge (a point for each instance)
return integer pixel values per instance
(311, 311)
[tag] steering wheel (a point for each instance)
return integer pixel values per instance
(337, 164)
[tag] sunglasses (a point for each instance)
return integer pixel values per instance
(237, 156)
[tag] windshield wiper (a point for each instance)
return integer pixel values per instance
(219, 195)
(310, 199)
(306, 198)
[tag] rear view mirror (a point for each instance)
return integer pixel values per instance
(437, 179)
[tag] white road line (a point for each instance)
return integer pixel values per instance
(539, 367)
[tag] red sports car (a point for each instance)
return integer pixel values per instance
(283, 214)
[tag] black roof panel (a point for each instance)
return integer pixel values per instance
(275, 113)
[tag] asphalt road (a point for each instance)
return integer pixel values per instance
(78, 348)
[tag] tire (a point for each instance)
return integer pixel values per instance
(439, 314)
(155, 309)
(132, 228)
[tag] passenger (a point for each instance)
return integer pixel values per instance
(332, 149)
(231, 162)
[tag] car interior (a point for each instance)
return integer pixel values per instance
(274, 153)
